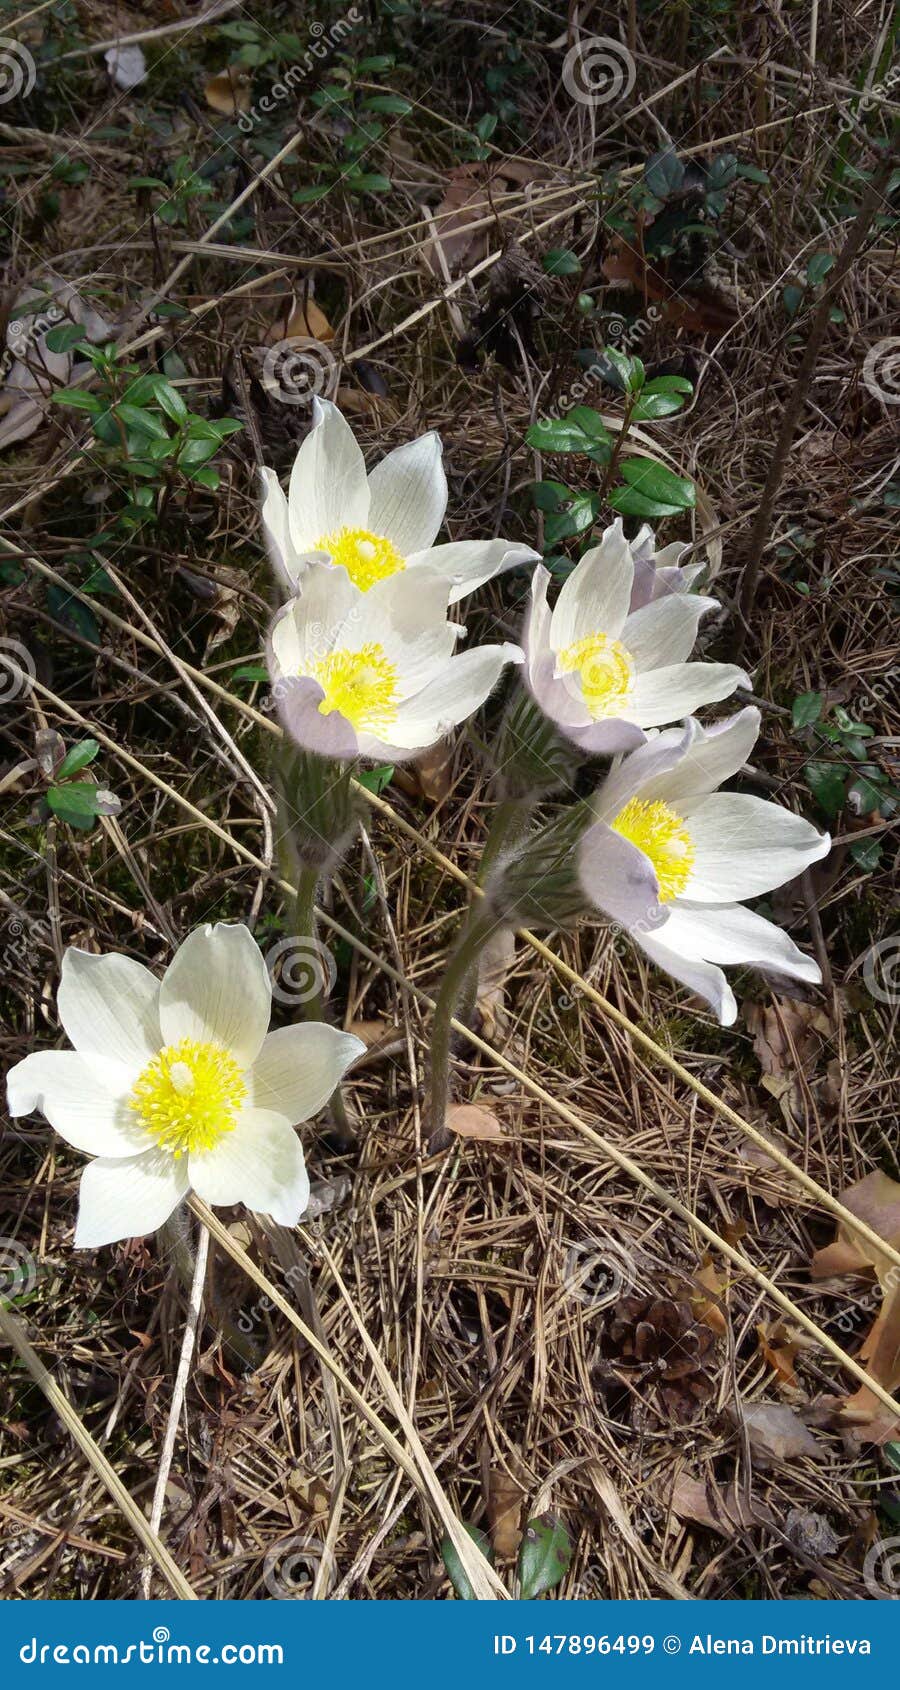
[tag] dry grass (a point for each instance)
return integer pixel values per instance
(462, 1267)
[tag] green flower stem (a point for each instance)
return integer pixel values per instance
(462, 963)
(508, 825)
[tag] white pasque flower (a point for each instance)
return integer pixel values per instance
(177, 1085)
(604, 672)
(377, 525)
(659, 572)
(670, 856)
(372, 673)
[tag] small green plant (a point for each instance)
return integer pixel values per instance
(178, 194)
(69, 795)
(846, 779)
(632, 485)
(542, 1563)
(143, 428)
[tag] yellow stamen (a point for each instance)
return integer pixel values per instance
(360, 685)
(189, 1096)
(605, 671)
(663, 837)
(366, 557)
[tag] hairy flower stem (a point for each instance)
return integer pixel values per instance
(313, 1004)
(463, 961)
(508, 825)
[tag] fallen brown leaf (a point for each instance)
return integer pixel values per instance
(471, 1120)
(776, 1433)
(229, 92)
(778, 1348)
(725, 1512)
(504, 1507)
(708, 1309)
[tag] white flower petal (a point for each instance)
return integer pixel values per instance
(260, 1164)
(276, 523)
(664, 631)
(216, 989)
(109, 1004)
(662, 695)
(733, 935)
(298, 1068)
(328, 487)
(454, 695)
(307, 629)
(703, 978)
(408, 495)
(84, 1099)
(713, 756)
(644, 770)
(470, 563)
(619, 879)
(745, 846)
(594, 599)
(330, 735)
(128, 1198)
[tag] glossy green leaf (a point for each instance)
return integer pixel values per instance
(806, 708)
(455, 1571)
(544, 1556)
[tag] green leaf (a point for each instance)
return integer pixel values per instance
(375, 780)
(63, 338)
(561, 262)
(75, 804)
(628, 502)
(806, 708)
(206, 477)
(866, 854)
(751, 173)
(250, 672)
(793, 299)
(169, 400)
(454, 1566)
(827, 784)
(667, 384)
(78, 399)
(818, 267)
(579, 431)
(664, 173)
(376, 65)
(865, 796)
(650, 406)
(486, 125)
(575, 520)
(654, 481)
(77, 759)
(544, 1556)
(393, 103)
(308, 196)
(549, 495)
(196, 452)
(630, 371)
(369, 183)
(72, 614)
(146, 422)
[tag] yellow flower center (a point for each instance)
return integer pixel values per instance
(605, 671)
(663, 837)
(189, 1096)
(366, 557)
(360, 685)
